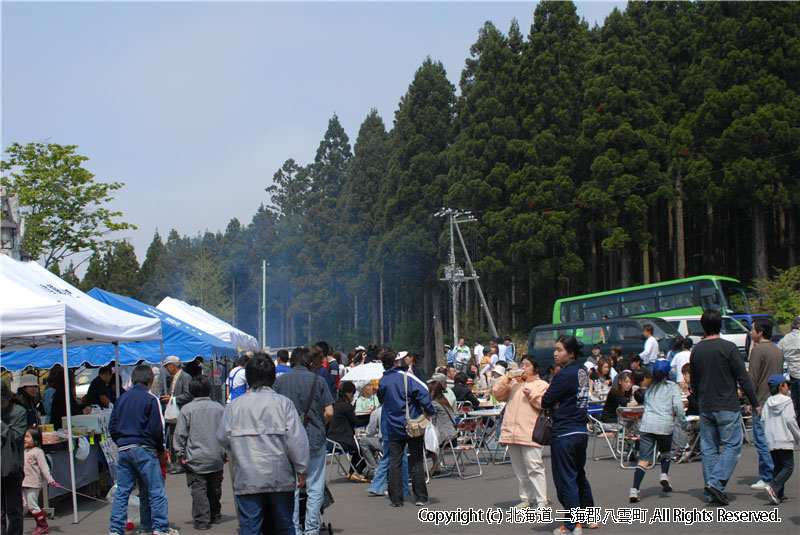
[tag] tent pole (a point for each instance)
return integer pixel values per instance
(161, 378)
(68, 401)
(117, 371)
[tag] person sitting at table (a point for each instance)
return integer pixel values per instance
(641, 379)
(477, 377)
(524, 395)
(367, 401)
(618, 396)
(463, 392)
(342, 429)
(601, 375)
(444, 419)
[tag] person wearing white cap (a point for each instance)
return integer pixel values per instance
(178, 385)
(28, 397)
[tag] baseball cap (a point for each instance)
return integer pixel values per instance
(662, 366)
(776, 379)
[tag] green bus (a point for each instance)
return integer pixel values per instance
(678, 297)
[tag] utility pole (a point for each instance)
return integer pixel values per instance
(454, 274)
(263, 303)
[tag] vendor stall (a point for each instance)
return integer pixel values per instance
(40, 311)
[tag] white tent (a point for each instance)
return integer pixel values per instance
(39, 310)
(209, 323)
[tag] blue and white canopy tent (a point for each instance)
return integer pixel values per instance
(41, 313)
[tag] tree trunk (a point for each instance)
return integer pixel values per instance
(592, 286)
(513, 303)
(760, 270)
(680, 245)
(380, 293)
(374, 317)
(708, 240)
(624, 267)
(355, 314)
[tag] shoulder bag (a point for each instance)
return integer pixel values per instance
(414, 427)
(172, 411)
(304, 417)
(543, 429)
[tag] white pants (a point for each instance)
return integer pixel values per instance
(30, 500)
(529, 469)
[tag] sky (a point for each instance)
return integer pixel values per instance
(195, 105)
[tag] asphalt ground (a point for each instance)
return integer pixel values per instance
(495, 492)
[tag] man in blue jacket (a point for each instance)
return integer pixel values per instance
(392, 393)
(137, 427)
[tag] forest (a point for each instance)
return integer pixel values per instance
(656, 146)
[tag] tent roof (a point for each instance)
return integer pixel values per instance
(180, 338)
(209, 323)
(38, 308)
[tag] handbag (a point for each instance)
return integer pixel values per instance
(543, 429)
(415, 427)
(172, 411)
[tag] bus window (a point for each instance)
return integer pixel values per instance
(735, 297)
(676, 296)
(570, 312)
(709, 297)
(598, 308)
(639, 302)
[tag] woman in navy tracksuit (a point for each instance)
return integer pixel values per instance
(569, 396)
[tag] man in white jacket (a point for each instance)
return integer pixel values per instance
(790, 345)
(782, 432)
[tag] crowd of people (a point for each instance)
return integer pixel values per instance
(282, 417)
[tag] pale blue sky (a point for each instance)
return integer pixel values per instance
(196, 105)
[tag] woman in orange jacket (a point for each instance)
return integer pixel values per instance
(523, 391)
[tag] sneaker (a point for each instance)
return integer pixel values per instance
(590, 525)
(168, 531)
(665, 486)
(523, 505)
(785, 499)
(422, 502)
(374, 493)
(397, 504)
(562, 530)
(759, 485)
(633, 495)
(717, 496)
(772, 495)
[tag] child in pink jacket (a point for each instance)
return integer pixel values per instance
(36, 474)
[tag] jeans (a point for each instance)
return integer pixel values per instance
(206, 491)
(760, 442)
(397, 453)
(568, 459)
(266, 513)
(721, 428)
(378, 485)
(315, 489)
(783, 461)
(139, 465)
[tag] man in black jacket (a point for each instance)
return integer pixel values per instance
(715, 370)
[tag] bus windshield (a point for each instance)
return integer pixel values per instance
(735, 298)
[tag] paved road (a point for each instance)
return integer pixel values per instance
(355, 512)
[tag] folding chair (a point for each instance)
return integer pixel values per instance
(629, 419)
(335, 454)
(692, 451)
(466, 441)
(599, 428)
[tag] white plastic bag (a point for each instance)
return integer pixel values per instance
(171, 412)
(432, 440)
